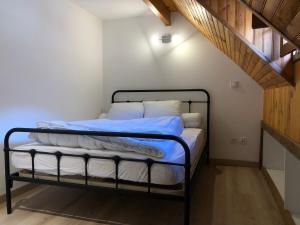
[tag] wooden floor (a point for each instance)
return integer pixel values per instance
(222, 196)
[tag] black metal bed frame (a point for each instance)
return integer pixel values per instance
(186, 197)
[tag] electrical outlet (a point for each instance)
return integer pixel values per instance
(234, 84)
(244, 140)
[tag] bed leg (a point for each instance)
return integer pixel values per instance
(187, 197)
(207, 156)
(8, 179)
(187, 210)
(8, 196)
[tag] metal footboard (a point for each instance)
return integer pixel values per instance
(86, 157)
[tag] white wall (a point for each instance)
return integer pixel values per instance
(50, 64)
(133, 58)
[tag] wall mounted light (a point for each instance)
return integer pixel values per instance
(166, 39)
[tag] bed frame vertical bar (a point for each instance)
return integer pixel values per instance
(58, 157)
(208, 129)
(32, 154)
(187, 188)
(190, 105)
(8, 179)
(149, 166)
(86, 160)
(117, 160)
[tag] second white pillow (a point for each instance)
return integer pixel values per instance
(162, 108)
(126, 111)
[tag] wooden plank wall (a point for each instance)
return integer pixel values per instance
(282, 14)
(230, 42)
(282, 108)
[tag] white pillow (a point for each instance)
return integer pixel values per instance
(192, 120)
(162, 108)
(126, 111)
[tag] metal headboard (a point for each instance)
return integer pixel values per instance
(188, 101)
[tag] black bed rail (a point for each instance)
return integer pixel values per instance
(86, 157)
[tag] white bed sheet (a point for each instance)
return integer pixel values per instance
(131, 171)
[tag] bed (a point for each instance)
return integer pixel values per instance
(166, 177)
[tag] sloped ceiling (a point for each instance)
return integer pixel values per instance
(231, 43)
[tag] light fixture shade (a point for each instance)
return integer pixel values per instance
(166, 39)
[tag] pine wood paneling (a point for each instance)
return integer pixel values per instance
(282, 108)
(293, 28)
(231, 11)
(270, 8)
(258, 5)
(287, 10)
(227, 32)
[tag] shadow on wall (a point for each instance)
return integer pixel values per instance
(20, 117)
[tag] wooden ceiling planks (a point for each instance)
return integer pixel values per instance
(161, 10)
(293, 28)
(257, 4)
(286, 11)
(223, 36)
(284, 15)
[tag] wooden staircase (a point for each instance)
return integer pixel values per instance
(283, 15)
(260, 49)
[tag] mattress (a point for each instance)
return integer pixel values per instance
(99, 168)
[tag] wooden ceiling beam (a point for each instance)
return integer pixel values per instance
(161, 10)
(170, 4)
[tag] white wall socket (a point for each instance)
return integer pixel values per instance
(244, 140)
(234, 84)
